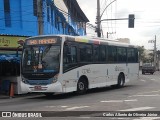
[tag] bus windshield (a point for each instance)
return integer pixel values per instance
(43, 58)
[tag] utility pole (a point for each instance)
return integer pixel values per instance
(99, 16)
(98, 19)
(155, 52)
(40, 17)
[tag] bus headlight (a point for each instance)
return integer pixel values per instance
(24, 80)
(55, 78)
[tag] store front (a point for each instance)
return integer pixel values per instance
(10, 55)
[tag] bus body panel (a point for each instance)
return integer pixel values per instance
(53, 88)
(98, 74)
(133, 71)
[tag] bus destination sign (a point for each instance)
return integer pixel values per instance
(41, 41)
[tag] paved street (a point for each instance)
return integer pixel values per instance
(139, 95)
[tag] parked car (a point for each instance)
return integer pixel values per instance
(148, 68)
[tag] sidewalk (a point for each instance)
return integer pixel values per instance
(6, 96)
(3, 96)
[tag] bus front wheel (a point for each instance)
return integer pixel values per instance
(82, 86)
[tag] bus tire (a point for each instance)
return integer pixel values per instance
(121, 80)
(82, 86)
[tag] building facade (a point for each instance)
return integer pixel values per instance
(21, 17)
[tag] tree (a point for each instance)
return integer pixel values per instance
(141, 53)
(151, 57)
(143, 57)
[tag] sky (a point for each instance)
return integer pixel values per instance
(147, 19)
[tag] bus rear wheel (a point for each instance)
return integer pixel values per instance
(121, 81)
(82, 86)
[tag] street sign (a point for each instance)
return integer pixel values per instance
(151, 41)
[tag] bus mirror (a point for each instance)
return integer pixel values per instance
(20, 42)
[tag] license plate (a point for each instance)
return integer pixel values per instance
(37, 87)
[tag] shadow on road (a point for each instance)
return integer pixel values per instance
(74, 94)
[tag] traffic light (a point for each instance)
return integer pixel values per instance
(131, 21)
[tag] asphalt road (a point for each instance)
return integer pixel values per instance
(139, 95)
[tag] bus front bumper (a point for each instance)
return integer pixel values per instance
(52, 88)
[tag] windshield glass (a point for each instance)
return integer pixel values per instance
(43, 58)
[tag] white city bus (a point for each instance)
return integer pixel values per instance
(62, 64)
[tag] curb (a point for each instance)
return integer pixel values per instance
(5, 96)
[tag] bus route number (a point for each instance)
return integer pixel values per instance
(42, 41)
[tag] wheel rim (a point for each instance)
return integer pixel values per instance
(81, 86)
(121, 81)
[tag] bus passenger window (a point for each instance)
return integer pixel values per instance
(85, 53)
(96, 53)
(73, 56)
(132, 55)
(122, 54)
(112, 54)
(69, 55)
(102, 53)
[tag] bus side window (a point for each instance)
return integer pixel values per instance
(102, 53)
(136, 55)
(112, 54)
(69, 56)
(96, 53)
(121, 54)
(132, 55)
(65, 54)
(85, 51)
(73, 54)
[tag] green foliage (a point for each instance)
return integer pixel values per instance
(141, 53)
(143, 57)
